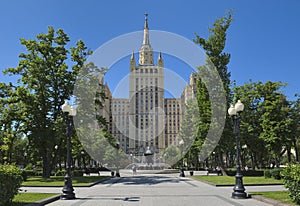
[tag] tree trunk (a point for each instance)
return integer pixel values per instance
(221, 160)
(252, 161)
(46, 166)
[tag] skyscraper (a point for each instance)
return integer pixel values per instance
(146, 99)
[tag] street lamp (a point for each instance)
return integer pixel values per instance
(235, 113)
(83, 159)
(181, 165)
(244, 156)
(68, 191)
(117, 158)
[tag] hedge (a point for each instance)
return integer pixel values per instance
(28, 173)
(10, 182)
(291, 180)
(251, 173)
(275, 173)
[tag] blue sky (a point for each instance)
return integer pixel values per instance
(263, 39)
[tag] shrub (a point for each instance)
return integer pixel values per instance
(60, 173)
(291, 179)
(78, 173)
(267, 174)
(30, 172)
(275, 173)
(10, 182)
(24, 175)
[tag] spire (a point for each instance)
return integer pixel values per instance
(159, 56)
(146, 21)
(146, 52)
(160, 60)
(132, 62)
(146, 31)
(132, 56)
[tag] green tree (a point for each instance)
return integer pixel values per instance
(275, 121)
(188, 132)
(250, 128)
(267, 122)
(91, 124)
(11, 117)
(295, 128)
(214, 47)
(46, 81)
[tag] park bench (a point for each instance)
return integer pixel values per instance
(213, 171)
(92, 170)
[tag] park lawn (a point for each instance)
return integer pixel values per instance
(59, 181)
(230, 180)
(26, 198)
(281, 196)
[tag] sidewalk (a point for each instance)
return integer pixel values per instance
(155, 190)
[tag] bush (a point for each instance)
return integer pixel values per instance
(291, 179)
(78, 173)
(30, 173)
(33, 172)
(60, 173)
(275, 173)
(267, 174)
(24, 175)
(10, 182)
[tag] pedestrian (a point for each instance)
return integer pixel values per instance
(134, 169)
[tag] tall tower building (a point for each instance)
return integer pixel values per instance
(146, 103)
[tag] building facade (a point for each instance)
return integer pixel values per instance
(190, 90)
(146, 99)
(147, 121)
(120, 121)
(173, 118)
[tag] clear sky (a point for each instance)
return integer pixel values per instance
(263, 40)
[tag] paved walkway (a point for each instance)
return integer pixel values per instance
(155, 190)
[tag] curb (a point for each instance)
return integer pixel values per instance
(269, 201)
(57, 197)
(89, 185)
(44, 201)
(232, 185)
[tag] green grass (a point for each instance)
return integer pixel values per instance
(230, 180)
(26, 198)
(281, 196)
(59, 181)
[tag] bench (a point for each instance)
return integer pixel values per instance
(218, 172)
(92, 170)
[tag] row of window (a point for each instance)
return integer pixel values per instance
(146, 70)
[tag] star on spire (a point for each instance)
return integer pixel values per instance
(146, 21)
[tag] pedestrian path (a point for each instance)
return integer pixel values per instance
(155, 190)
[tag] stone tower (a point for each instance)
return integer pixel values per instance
(146, 103)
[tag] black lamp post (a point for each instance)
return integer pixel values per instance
(235, 113)
(68, 191)
(181, 164)
(83, 159)
(117, 159)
